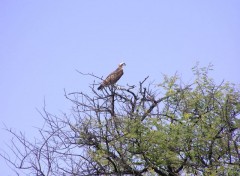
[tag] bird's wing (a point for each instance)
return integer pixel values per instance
(113, 77)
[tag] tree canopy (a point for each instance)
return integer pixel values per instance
(165, 128)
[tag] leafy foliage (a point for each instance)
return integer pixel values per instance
(164, 129)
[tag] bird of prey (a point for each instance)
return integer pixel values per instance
(113, 77)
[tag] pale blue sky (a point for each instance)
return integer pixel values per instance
(43, 42)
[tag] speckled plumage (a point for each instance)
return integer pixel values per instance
(113, 77)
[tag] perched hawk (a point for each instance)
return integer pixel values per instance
(113, 77)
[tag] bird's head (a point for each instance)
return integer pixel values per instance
(122, 64)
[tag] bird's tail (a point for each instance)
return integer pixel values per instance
(100, 87)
